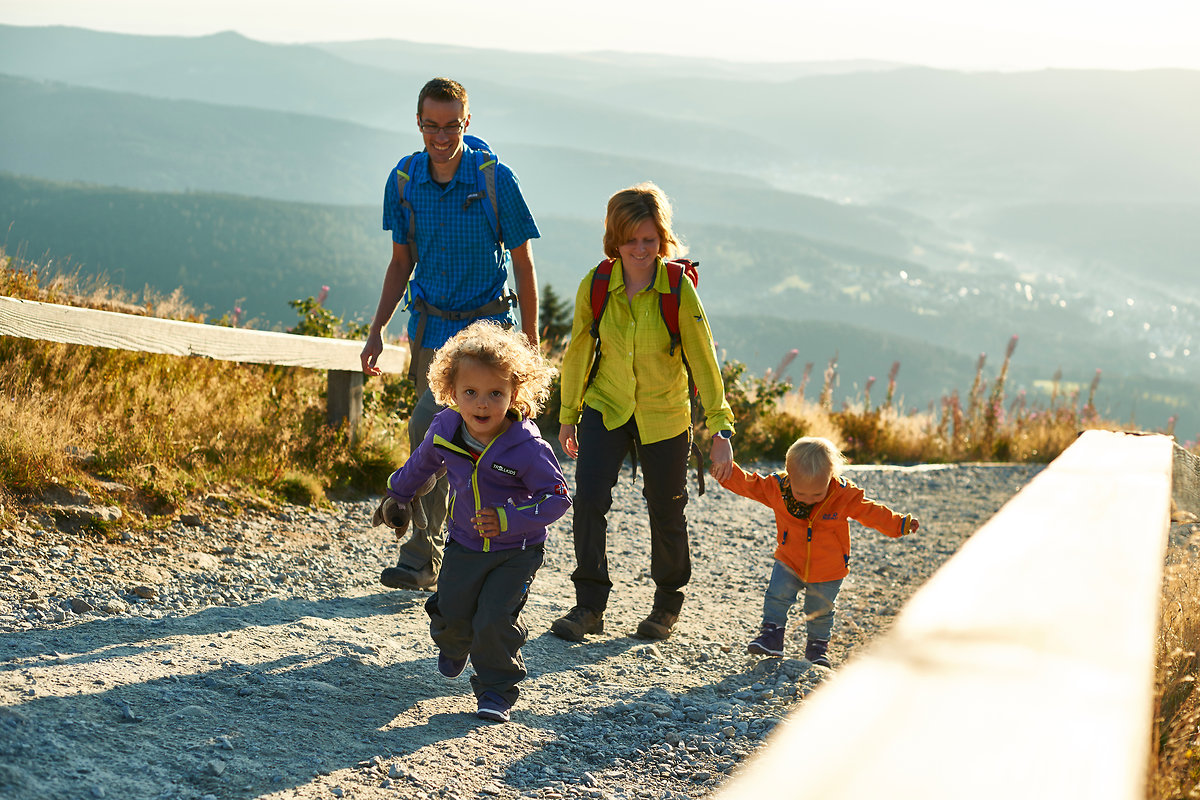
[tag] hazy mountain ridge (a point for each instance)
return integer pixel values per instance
(155, 144)
(980, 179)
(765, 293)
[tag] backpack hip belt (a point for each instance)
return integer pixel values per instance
(424, 310)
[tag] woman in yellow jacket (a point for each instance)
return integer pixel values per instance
(638, 398)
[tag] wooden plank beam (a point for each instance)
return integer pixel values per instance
(71, 325)
(1023, 668)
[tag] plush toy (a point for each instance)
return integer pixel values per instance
(397, 516)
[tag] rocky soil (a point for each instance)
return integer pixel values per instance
(256, 656)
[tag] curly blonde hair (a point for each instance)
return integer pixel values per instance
(813, 456)
(503, 349)
(629, 208)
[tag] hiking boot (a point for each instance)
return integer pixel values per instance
(769, 641)
(403, 576)
(492, 706)
(577, 623)
(451, 667)
(658, 625)
(814, 651)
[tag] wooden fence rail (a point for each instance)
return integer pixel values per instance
(58, 323)
(1024, 668)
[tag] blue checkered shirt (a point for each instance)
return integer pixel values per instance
(460, 264)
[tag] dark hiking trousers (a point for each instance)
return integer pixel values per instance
(664, 479)
(475, 611)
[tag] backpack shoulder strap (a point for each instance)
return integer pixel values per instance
(601, 278)
(486, 181)
(404, 175)
(668, 304)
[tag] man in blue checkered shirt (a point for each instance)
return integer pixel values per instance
(453, 273)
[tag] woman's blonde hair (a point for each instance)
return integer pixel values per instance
(629, 208)
(813, 456)
(500, 348)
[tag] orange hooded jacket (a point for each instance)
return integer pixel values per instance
(817, 549)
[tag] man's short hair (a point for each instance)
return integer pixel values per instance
(444, 90)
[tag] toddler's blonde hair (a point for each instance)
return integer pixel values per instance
(813, 456)
(503, 349)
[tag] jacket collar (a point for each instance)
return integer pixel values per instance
(661, 283)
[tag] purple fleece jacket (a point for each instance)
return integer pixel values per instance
(517, 475)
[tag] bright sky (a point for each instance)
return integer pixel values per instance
(964, 34)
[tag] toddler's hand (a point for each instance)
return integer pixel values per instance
(913, 524)
(487, 522)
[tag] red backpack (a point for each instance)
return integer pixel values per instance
(668, 305)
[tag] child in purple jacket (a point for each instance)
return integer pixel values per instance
(506, 487)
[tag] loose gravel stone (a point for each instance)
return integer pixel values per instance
(256, 654)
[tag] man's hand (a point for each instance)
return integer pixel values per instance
(370, 354)
(487, 522)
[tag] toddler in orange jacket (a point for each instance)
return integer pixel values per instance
(813, 505)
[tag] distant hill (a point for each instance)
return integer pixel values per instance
(930, 135)
(765, 293)
(951, 210)
(173, 145)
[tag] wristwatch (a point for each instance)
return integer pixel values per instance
(724, 434)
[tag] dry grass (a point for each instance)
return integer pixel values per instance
(1174, 771)
(173, 429)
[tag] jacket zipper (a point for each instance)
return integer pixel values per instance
(808, 540)
(487, 543)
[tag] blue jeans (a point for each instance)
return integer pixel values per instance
(818, 601)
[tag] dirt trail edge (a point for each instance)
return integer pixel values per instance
(257, 656)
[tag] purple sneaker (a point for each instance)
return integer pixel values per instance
(451, 667)
(493, 707)
(815, 652)
(769, 641)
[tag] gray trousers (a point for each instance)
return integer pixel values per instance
(424, 547)
(475, 612)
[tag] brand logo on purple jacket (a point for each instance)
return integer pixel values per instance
(504, 469)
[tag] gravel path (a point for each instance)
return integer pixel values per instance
(257, 656)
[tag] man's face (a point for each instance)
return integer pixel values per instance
(442, 124)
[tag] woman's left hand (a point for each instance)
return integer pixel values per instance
(721, 456)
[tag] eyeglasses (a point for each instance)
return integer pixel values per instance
(433, 130)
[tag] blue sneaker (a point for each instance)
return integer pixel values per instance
(451, 667)
(493, 707)
(769, 641)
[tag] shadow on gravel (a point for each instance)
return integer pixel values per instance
(219, 725)
(221, 722)
(684, 742)
(110, 637)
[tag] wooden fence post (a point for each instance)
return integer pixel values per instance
(344, 400)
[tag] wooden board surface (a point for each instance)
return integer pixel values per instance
(71, 325)
(1024, 668)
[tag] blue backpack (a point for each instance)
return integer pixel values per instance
(485, 188)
